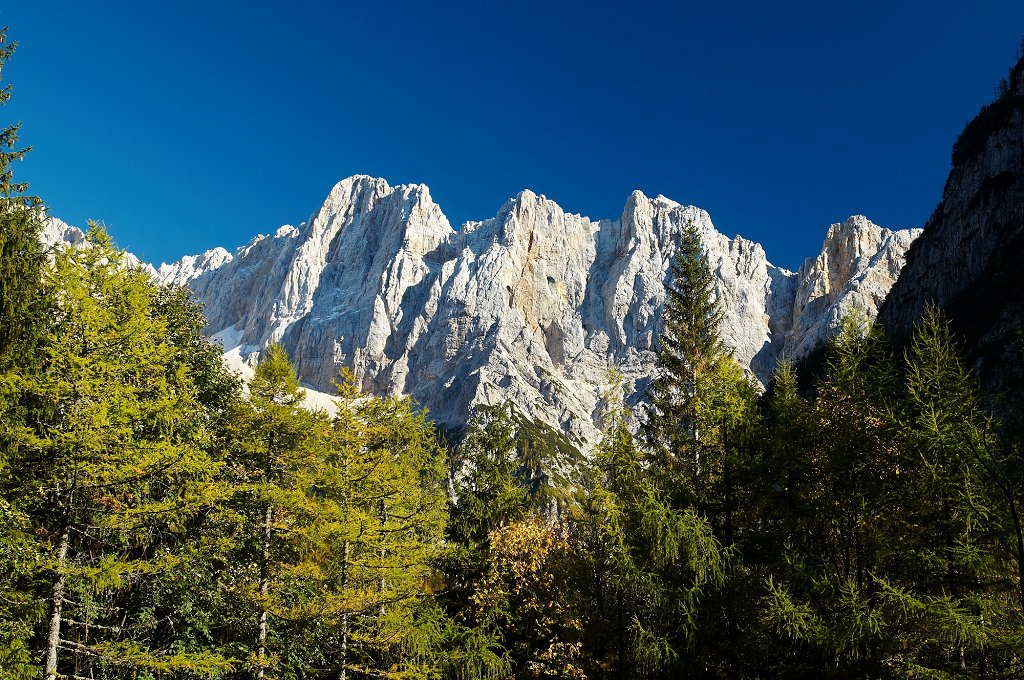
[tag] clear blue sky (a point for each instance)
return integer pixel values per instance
(184, 125)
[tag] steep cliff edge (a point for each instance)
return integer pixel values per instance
(970, 256)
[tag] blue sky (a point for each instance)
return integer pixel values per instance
(184, 125)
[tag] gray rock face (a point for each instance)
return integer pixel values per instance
(59, 234)
(858, 265)
(534, 305)
(968, 260)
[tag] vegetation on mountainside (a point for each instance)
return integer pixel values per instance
(992, 117)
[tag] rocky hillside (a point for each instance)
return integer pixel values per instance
(533, 305)
(968, 259)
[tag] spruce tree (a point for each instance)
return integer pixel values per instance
(21, 324)
(702, 411)
(501, 488)
(689, 346)
(21, 252)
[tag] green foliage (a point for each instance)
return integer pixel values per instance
(21, 253)
(331, 532)
(689, 346)
(894, 563)
(22, 316)
(990, 118)
(388, 476)
(156, 523)
(111, 466)
(650, 560)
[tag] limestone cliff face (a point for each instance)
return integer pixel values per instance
(858, 265)
(534, 305)
(968, 259)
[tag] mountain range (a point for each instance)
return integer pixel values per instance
(535, 305)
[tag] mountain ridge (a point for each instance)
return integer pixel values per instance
(533, 305)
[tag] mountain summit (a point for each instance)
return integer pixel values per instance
(534, 305)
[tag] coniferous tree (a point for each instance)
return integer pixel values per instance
(703, 408)
(377, 553)
(689, 347)
(653, 560)
(111, 466)
(956, 596)
(21, 252)
(823, 600)
(21, 319)
(272, 447)
(488, 494)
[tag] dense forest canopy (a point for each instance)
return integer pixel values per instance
(158, 519)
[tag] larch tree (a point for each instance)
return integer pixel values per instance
(111, 466)
(824, 599)
(272, 453)
(964, 527)
(377, 561)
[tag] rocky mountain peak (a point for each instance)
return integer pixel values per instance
(858, 265)
(188, 268)
(533, 305)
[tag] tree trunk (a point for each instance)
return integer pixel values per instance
(383, 552)
(343, 670)
(730, 538)
(261, 642)
(57, 604)
(1020, 546)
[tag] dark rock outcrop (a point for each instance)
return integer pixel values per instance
(970, 259)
